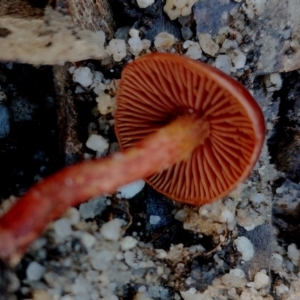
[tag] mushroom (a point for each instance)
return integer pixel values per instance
(193, 132)
(159, 88)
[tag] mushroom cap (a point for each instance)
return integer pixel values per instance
(156, 88)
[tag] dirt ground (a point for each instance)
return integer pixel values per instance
(145, 246)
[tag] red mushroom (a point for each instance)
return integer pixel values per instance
(159, 88)
(205, 133)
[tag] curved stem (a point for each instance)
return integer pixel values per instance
(51, 197)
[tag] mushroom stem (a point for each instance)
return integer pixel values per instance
(51, 197)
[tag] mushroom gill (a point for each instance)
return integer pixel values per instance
(158, 88)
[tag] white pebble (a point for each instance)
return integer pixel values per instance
(246, 296)
(112, 229)
(98, 77)
(176, 8)
(253, 7)
(193, 50)
(128, 243)
(135, 43)
(146, 44)
(35, 271)
(181, 215)
(192, 295)
(226, 215)
(73, 215)
(273, 82)
(93, 207)
(207, 44)
(99, 88)
(276, 261)
(261, 279)
(118, 49)
(244, 246)
(129, 258)
(144, 3)
(101, 260)
(97, 143)
(229, 44)
(223, 62)
(293, 253)
(83, 76)
(281, 289)
(257, 198)
(238, 59)
(232, 293)
(106, 104)
(62, 227)
(234, 279)
(154, 220)
(164, 41)
(88, 240)
(130, 190)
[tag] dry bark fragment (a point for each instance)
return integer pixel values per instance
(70, 145)
(50, 40)
(92, 15)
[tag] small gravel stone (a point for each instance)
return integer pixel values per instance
(154, 220)
(257, 198)
(112, 229)
(106, 104)
(273, 82)
(193, 50)
(128, 243)
(144, 3)
(261, 279)
(192, 295)
(223, 62)
(129, 258)
(117, 48)
(83, 76)
(88, 240)
(62, 227)
(276, 261)
(164, 41)
(130, 190)
(181, 215)
(135, 43)
(207, 44)
(293, 253)
(186, 33)
(35, 271)
(97, 143)
(244, 246)
(238, 59)
(176, 8)
(73, 215)
(234, 279)
(92, 208)
(100, 260)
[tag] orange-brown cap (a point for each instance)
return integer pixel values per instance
(156, 88)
